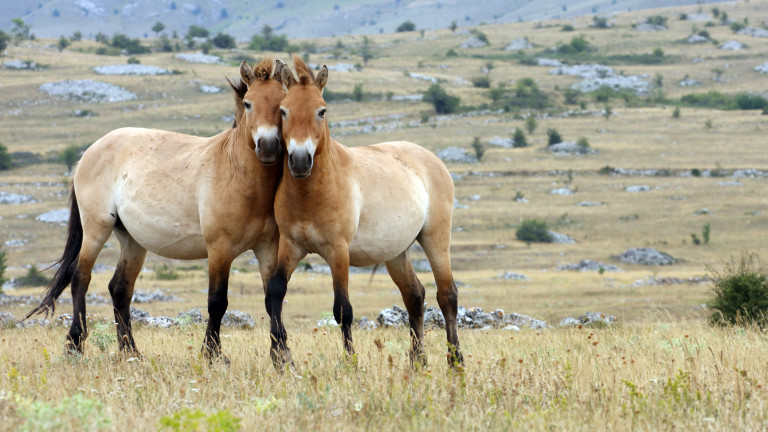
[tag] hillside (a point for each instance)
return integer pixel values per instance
(295, 18)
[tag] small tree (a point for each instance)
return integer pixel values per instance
(197, 31)
(70, 156)
(519, 138)
(406, 27)
(479, 148)
(676, 113)
(533, 231)
(481, 82)
(607, 112)
(77, 36)
(740, 292)
(63, 43)
(20, 30)
(367, 52)
(442, 101)
(224, 41)
(453, 26)
(157, 28)
(4, 39)
(553, 137)
(531, 124)
(6, 162)
(357, 92)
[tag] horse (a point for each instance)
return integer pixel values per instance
(178, 196)
(358, 206)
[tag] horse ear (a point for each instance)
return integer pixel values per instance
(279, 66)
(288, 79)
(246, 73)
(322, 78)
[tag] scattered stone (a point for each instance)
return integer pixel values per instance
(199, 57)
(90, 299)
(88, 91)
(696, 39)
(162, 322)
(7, 320)
(29, 323)
(365, 324)
(422, 77)
(456, 155)
(474, 42)
(689, 82)
(21, 65)
(732, 45)
(518, 44)
(64, 320)
(561, 191)
(519, 320)
(589, 265)
(156, 296)
(474, 197)
(14, 198)
(570, 148)
(236, 318)
(730, 183)
(512, 327)
(589, 318)
(130, 69)
(456, 204)
(409, 98)
(394, 317)
(210, 89)
(699, 17)
(421, 265)
(15, 243)
(648, 27)
(646, 256)
(548, 62)
(638, 188)
(561, 238)
(192, 316)
(657, 281)
(59, 216)
(341, 67)
(763, 68)
(597, 76)
(753, 31)
(23, 300)
(455, 177)
(138, 314)
(588, 204)
(501, 142)
(433, 318)
(509, 275)
(474, 318)
(327, 322)
(703, 211)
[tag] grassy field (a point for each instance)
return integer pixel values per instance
(659, 367)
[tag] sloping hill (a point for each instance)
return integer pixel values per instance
(296, 18)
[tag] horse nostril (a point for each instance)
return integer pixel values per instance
(309, 160)
(290, 159)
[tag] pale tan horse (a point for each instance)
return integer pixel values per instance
(178, 196)
(358, 206)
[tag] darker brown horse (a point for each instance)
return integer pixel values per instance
(179, 196)
(358, 206)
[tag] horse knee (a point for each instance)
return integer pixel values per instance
(276, 290)
(217, 305)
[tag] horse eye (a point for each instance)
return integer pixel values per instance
(247, 105)
(283, 112)
(321, 113)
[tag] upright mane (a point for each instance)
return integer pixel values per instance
(305, 74)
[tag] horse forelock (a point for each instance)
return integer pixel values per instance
(305, 74)
(263, 69)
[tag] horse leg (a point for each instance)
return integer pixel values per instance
(436, 245)
(342, 309)
(288, 257)
(81, 278)
(401, 271)
(121, 288)
(218, 283)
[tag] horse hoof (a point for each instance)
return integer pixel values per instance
(72, 350)
(455, 359)
(281, 359)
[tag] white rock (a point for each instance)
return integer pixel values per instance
(763, 68)
(732, 45)
(638, 188)
(130, 69)
(14, 198)
(60, 216)
(199, 57)
(561, 191)
(518, 44)
(753, 31)
(88, 91)
(209, 89)
(474, 42)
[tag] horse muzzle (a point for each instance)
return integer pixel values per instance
(268, 150)
(300, 164)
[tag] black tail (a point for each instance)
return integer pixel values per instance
(67, 262)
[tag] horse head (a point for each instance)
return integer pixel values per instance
(257, 99)
(305, 129)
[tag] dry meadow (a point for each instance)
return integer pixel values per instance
(660, 366)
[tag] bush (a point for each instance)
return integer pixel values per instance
(676, 113)
(442, 101)
(737, 26)
(197, 31)
(451, 53)
(133, 60)
(657, 20)
(533, 231)
(6, 162)
(131, 46)
(268, 41)
(224, 41)
(571, 96)
(33, 278)
(519, 138)
(4, 39)
(740, 292)
(600, 22)
(481, 82)
(70, 156)
(746, 101)
(567, 28)
(553, 137)
(406, 27)
(578, 44)
(531, 124)
(357, 92)
(164, 272)
(479, 148)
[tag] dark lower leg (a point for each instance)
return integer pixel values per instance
(447, 298)
(120, 289)
(217, 306)
(414, 303)
(342, 313)
(276, 289)
(78, 331)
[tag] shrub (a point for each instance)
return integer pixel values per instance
(533, 231)
(737, 26)
(567, 28)
(571, 96)
(63, 43)
(197, 31)
(442, 101)
(33, 278)
(531, 124)
(657, 20)
(481, 82)
(583, 142)
(164, 272)
(70, 156)
(696, 172)
(479, 148)
(6, 162)
(224, 41)
(268, 41)
(740, 292)
(131, 46)
(578, 44)
(4, 39)
(158, 27)
(406, 27)
(599, 22)
(451, 53)
(519, 138)
(553, 137)
(357, 92)
(746, 101)
(133, 60)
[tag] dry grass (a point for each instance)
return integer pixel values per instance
(661, 367)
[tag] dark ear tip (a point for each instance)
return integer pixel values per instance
(244, 63)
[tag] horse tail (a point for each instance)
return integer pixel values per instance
(67, 263)
(373, 272)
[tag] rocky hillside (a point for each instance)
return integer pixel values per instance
(296, 18)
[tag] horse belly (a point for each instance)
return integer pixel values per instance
(386, 234)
